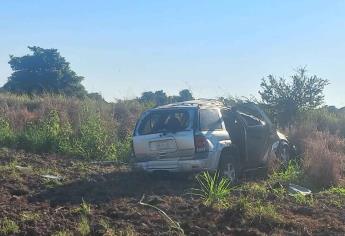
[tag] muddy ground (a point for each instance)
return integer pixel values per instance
(44, 206)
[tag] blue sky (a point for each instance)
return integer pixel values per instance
(214, 48)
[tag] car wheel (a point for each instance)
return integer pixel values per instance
(228, 168)
(284, 153)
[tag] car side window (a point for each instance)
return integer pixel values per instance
(251, 121)
(210, 120)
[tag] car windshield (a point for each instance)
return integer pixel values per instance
(165, 121)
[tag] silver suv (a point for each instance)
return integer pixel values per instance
(204, 135)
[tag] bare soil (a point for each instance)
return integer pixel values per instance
(114, 193)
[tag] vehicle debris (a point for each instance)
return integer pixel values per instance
(296, 189)
(56, 177)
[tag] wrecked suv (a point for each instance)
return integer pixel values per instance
(205, 135)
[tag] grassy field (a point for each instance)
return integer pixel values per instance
(54, 180)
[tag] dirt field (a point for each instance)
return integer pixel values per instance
(43, 206)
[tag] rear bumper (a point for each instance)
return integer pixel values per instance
(174, 165)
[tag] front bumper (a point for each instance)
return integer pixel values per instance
(174, 165)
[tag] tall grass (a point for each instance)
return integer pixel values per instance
(87, 128)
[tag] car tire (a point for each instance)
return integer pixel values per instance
(229, 167)
(283, 152)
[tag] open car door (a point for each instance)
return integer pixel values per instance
(258, 128)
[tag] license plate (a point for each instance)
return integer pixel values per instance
(163, 145)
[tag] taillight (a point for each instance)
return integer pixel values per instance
(201, 144)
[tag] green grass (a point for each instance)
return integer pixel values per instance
(338, 191)
(8, 227)
(257, 211)
(291, 174)
(84, 208)
(302, 199)
(63, 233)
(83, 226)
(214, 191)
(257, 190)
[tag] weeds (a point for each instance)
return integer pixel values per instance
(291, 174)
(83, 226)
(8, 227)
(85, 208)
(256, 210)
(213, 189)
(63, 233)
(257, 190)
(338, 191)
(302, 199)
(28, 216)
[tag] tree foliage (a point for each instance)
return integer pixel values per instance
(160, 97)
(286, 98)
(43, 71)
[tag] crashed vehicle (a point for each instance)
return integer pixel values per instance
(205, 135)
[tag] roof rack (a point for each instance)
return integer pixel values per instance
(197, 102)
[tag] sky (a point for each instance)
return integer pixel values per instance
(214, 48)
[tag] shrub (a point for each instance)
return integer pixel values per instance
(213, 189)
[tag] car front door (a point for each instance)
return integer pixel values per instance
(256, 140)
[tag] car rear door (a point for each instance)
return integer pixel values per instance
(165, 134)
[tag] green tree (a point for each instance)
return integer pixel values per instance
(285, 99)
(43, 71)
(185, 95)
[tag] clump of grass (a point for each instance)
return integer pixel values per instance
(303, 199)
(28, 216)
(257, 211)
(257, 190)
(84, 208)
(106, 228)
(338, 191)
(83, 226)
(291, 174)
(335, 196)
(214, 191)
(8, 227)
(62, 233)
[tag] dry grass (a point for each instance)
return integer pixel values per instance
(323, 156)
